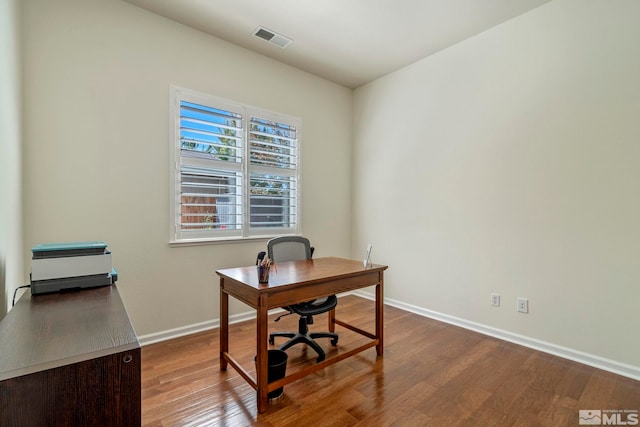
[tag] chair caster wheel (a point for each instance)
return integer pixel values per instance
(334, 342)
(271, 340)
(320, 359)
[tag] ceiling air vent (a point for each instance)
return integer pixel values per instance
(271, 37)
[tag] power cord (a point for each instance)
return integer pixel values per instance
(16, 291)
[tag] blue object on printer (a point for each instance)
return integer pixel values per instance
(55, 250)
(63, 266)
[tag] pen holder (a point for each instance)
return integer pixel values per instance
(263, 273)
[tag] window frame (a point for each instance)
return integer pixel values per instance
(178, 236)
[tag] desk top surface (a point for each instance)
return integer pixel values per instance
(299, 272)
(51, 330)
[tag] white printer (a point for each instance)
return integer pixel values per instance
(61, 266)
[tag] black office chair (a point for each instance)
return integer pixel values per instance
(294, 248)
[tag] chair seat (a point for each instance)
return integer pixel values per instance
(317, 306)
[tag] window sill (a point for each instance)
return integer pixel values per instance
(219, 241)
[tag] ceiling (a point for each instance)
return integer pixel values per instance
(350, 42)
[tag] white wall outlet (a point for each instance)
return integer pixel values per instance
(495, 300)
(523, 305)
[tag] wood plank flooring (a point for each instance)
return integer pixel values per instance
(431, 374)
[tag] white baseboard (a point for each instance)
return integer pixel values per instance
(177, 332)
(196, 327)
(560, 351)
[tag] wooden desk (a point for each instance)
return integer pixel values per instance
(294, 282)
(69, 359)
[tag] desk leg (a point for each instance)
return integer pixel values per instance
(224, 325)
(262, 356)
(379, 316)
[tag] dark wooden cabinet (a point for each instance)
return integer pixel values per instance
(69, 359)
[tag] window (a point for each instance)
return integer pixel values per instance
(236, 170)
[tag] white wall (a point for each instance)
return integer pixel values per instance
(510, 163)
(10, 154)
(97, 77)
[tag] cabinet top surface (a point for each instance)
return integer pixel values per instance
(46, 331)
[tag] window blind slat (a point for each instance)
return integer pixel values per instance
(190, 109)
(214, 136)
(193, 123)
(286, 140)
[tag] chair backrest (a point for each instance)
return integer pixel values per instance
(289, 248)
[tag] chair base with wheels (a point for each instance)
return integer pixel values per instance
(306, 312)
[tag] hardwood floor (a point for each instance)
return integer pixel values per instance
(431, 374)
